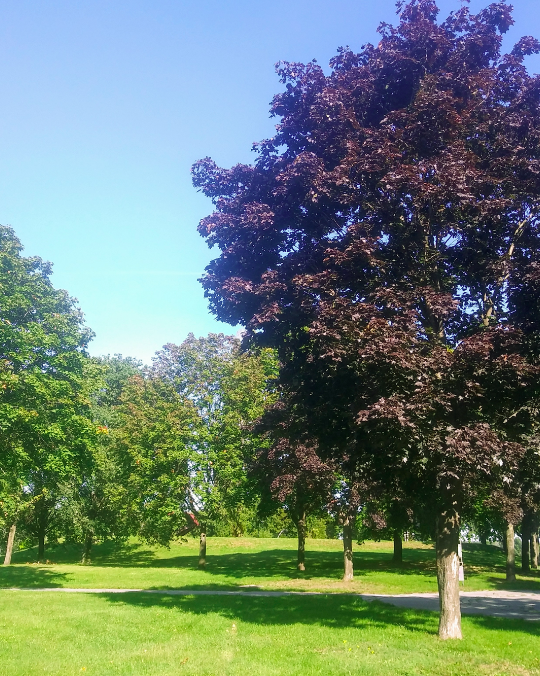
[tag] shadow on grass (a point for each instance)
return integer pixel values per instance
(264, 564)
(325, 610)
(280, 562)
(330, 610)
(502, 624)
(111, 553)
(530, 583)
(30, 577)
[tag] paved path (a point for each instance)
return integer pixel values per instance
(516, 605)
(511, 604)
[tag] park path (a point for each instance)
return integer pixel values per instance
(509, 604)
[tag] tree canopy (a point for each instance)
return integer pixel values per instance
(45, 426)
(384, 243)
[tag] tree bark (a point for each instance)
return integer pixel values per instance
(88, 542)
(42, 524)
(534, 549)
(448, 574)
(510, 554)
(348, 566)
(525, 550)
(9, 548)
(398, 547)
(301, 529)
(202, 548)
(41, 546)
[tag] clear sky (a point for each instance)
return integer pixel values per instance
(105, 106)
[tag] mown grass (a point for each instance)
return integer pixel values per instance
(159, 634)
(264, 563)
(141, 634)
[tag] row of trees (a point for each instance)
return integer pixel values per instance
(204, 440)
(383, 254)
(93, 449)
(386, 244)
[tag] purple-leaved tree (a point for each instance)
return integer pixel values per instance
(380, 243)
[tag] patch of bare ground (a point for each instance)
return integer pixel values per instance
(238, 543)
(330, 586)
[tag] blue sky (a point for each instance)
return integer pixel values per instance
(105, 106)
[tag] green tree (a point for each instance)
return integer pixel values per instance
(154, 437)
(45, 423)
(96, 504)
(230, 390)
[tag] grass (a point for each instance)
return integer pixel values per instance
(264, 563)
(140, 634)
(144, 635)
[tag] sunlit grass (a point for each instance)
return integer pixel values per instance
(265, 563)
(141, 634)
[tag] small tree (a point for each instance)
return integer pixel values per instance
(230, 390)
(291, 476)
(153, 436)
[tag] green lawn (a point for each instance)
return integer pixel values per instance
(330, 634)
(266, 563)
(141, 634)
(63, 634)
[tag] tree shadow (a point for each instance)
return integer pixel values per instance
(278, 563)
(484, 555)
(319, 565)
(524, 584)
(498, 624)
(329, 610)
(527, 608)
(111, 553)
(30, 577)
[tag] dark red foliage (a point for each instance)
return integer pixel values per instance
(386, 242)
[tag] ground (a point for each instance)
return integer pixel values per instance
(267, 563)
(331, 633)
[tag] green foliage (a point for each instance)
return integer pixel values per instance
(154, 437)
(45, 424)
(115, 374)
(230, 390)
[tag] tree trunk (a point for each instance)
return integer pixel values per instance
(525, 550)
(534, 549)
(448, 574)
(9, 548)
(42, 524)
(202, 548)
(41, 546)
(510, 554)
(89, 541)
(348, 568)
(398, 547)
(301, 529)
